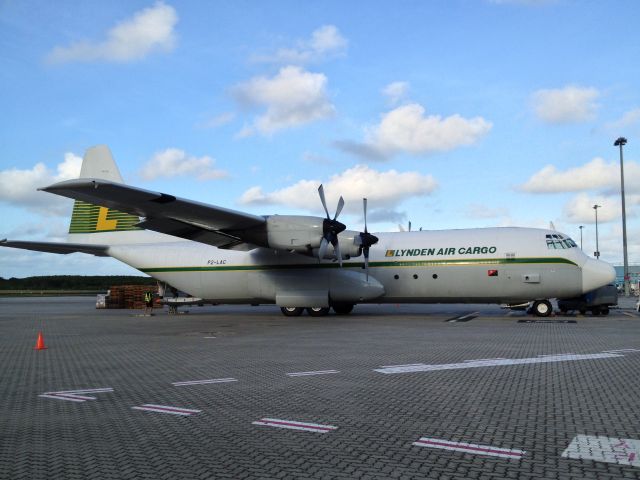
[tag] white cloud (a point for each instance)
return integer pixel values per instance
(597, 174)
(478, 211)
(396, 91)
(217, 121)
(570, 104)
(325, 42)
(630, 118)
(580, 209)
(406, 129)
(293, 97)
(384, 190)
(148, 30)
(20, 187)
(174, 162)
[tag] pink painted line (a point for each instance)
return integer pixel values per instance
(470, 448)
(87, 390)
(166, 409)
(311, 427)
(316, 372)
(204, 382)
(60, 397)
(72, 396)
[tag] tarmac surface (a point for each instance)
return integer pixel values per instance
(423, 391)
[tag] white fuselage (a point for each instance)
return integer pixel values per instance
(490, 265)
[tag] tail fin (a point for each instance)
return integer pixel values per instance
(87, 218)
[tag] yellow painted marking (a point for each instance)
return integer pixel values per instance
(103, 223)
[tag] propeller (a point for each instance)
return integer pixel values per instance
(330, 228)
(402, 229)
(366, 239)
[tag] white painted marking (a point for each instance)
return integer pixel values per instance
(294, 425)
(623, 350)
(623, 451)
(204, 382)
(149, 407)
(630, 314)
(496, 363)
(74, 395)
(209, 337)
(317, 372)
(470, 448)
(463, 317)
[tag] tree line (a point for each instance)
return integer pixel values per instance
(72, 282)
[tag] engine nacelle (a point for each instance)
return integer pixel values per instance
(294, 232)
(349, 246)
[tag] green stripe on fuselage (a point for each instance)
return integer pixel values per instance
(416, 263)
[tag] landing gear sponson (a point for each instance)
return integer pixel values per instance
(338, 308)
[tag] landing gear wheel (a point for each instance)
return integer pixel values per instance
(291, 311)
(317, 311)
(542, 308)
(604, 310)
(342, 308)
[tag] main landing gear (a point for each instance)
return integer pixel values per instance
(541, 308)
(338, 308)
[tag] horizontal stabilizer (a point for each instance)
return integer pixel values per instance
(53, 247)
(164, 213)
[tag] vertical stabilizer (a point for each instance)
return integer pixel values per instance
(99, 163)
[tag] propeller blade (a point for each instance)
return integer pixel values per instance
(364, 206)
(409, 225)
(323, 248)
(336, 248)
(365, 252)
(322, 199)
(339, 208)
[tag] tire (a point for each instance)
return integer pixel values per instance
(595, 311)
(291, 311)
(582, 311)
(317, 311)
(542, 308)
(604, 310)
(343, 308)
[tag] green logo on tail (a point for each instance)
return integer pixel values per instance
(88, 218)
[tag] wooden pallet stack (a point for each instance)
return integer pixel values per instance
(128, 296)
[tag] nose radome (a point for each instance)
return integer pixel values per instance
(596, 274)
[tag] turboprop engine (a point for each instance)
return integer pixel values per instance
(324, 238)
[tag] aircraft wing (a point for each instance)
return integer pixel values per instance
(52, 247)
(221, 227)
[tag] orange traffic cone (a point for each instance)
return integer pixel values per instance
(40, 342)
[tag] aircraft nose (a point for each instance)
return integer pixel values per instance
(596, 274)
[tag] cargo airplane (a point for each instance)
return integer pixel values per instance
(312, 263)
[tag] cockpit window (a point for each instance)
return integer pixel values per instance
(557, 241)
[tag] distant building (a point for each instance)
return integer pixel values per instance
(634, 276)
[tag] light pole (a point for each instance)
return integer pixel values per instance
(620, 142)
(597, 252)
(581, 227)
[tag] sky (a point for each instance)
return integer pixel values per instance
(445, 114)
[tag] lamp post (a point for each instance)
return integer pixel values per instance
(620, 142)
(581, 227)
(597, 252)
